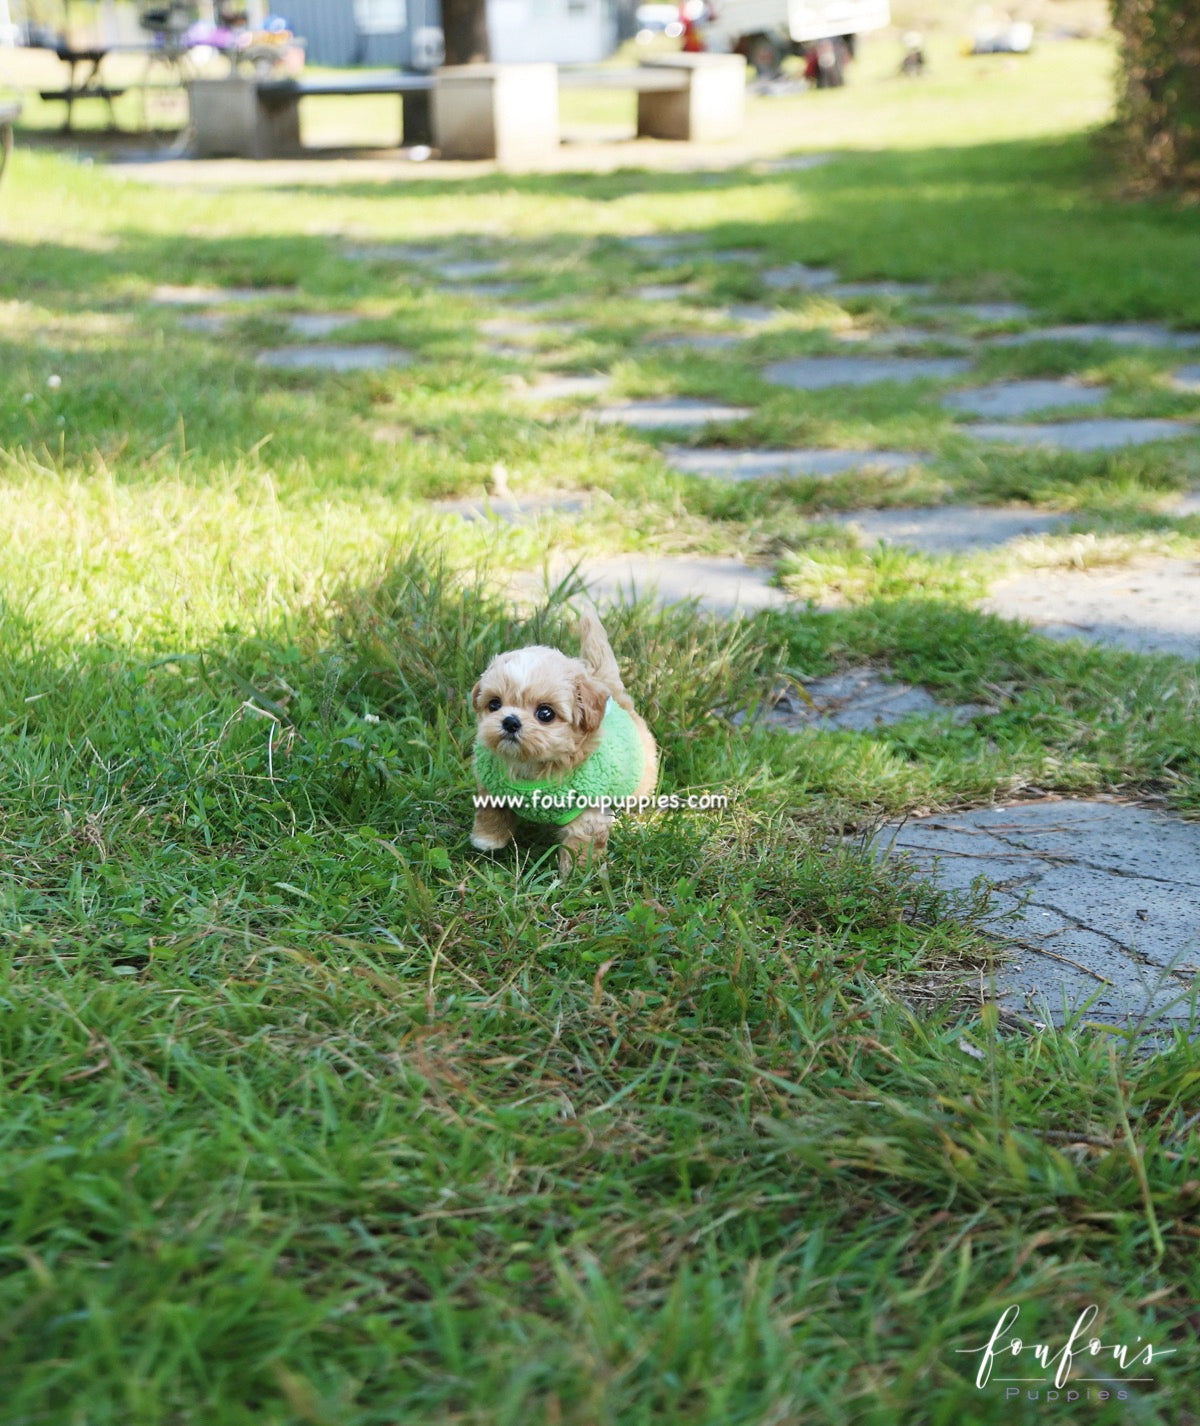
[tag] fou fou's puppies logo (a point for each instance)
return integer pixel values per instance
(1084, 1367)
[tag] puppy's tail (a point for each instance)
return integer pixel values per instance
(596, 652)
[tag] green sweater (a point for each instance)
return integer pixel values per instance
(613, 771)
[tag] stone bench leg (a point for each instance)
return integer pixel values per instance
(507, 112)
(6, 144)
(710, 108)
(230, 120)
(416, 112)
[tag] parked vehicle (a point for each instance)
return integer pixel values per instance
(767, 31)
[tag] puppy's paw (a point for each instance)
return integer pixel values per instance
(489, 842)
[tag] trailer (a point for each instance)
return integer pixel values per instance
(767, 31)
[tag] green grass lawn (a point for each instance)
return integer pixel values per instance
(313, 1114)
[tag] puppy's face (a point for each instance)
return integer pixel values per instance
(538, 709)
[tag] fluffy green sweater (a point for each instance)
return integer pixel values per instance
(612, 771)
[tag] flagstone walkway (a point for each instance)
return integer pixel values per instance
(1097, 898)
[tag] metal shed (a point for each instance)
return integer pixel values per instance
(407, 33)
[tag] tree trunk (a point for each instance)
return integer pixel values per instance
(1159, 107)
(464, 24)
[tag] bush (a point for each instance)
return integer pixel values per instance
(1159, 110)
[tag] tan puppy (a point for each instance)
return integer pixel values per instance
(553, 728)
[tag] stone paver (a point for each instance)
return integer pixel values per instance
(393, 252)
(1023, 398)
(881, 289)
(1121, 334)
(660, 242)
(465, 269)
(1095, 898)
(485, 289)
(564, 386)
(948, 529)
(697, 341)
(738, 256)
(511, 509)
(194, 295)
(984, 311)
(670, 413)
(753, 314)
(372, 356)
(888, 338)
(721, 586)
(1187, 378)
(855, 700)
(301, 324)
(514, 329)
(819, 373)
(798, 275)
(319, 324)
(793, 163)
(210, 323)
(1151, 608)
(737, 465)
(664, 292)
(1101, 434)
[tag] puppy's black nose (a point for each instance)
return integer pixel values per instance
(511, 724)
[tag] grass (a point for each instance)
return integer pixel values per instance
(314, 1115)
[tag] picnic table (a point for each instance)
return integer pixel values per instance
(9, 113)
(89, 58)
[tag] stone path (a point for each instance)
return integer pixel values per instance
(725, 463)
(669, 413)
(1024, 398)
(467, 268)
(1150, 608)
(980, 311)
(948, 529)
(512, 509)
(698, 341)
(856, 700)
(373, 356)
(563, 386)
(394, 252)
(1110, 888)
(664, 292)
(821, 373)
(798, 275)
(718, 586)
(882, 289)
(1095, 898)
(1096, 435)
(193, 295)
(319, 324)
(1121, 334)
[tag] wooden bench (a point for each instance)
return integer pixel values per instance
(247, 117)
(699, 98)
(9, 114)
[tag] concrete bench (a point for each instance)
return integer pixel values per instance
(698, 98)
(247, 117)
(9, 114)
(509, 112)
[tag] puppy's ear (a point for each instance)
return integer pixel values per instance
(475, 692)
(590, 703)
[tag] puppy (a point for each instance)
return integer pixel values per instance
(555, 737)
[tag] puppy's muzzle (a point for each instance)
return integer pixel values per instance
(512, 726)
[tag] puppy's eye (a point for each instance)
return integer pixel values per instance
(544, 713)
(493, 705)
